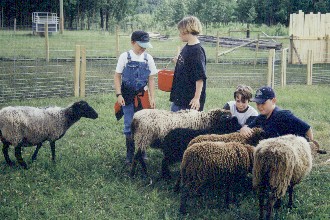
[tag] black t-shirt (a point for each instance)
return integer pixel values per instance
(190, 67)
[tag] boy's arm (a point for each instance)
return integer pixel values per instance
(195, 104)
(151, 86)
(117, 82)
(309, 134)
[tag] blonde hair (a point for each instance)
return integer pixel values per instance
(190, 25)
(244, 91)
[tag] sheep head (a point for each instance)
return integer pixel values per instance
(83, 109)
(257, 135)
(223, 122)
(315, 147)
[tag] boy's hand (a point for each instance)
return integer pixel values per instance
(120, 100)
(194, 103)
(246, 131)
(152, 103)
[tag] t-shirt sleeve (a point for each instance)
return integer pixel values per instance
(198, 65)
(122, 60)
(152, 65)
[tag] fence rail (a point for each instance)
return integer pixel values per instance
(27, 73)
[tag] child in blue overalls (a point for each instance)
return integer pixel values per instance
(134, 75)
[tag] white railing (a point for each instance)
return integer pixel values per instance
(39, 19)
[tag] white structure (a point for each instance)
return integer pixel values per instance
(39, 19)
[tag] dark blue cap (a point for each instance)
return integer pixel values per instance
(263, 94)
(142, 38)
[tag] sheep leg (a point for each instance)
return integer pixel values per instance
(261, 202)
(5, 148)
(35, 154)
(270, 206)
(183, 202)
(18, 155)
(290, 203)
(52, 147)
(227, 192)
(138, 157)
(177, 184)
(166, 173)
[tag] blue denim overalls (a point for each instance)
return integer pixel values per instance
(134, 78)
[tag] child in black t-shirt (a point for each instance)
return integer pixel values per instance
(189, 82)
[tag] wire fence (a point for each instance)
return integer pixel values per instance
(25, 74)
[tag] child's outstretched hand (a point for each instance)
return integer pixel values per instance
(246, 131)
(194, 103)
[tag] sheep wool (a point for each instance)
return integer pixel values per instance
(209, 162)
(280, 163)
(22, 126)
(150, 126)
(257, 135)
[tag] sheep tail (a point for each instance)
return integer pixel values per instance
(273, 169)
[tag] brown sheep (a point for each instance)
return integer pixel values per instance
(224, 164)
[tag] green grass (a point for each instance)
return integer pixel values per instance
(89, 181)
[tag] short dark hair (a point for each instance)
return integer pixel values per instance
(244, 91)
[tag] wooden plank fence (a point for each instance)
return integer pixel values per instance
(309, 32)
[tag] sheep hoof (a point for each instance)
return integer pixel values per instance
(24, 165)
(183, 210)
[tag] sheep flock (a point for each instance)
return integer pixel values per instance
(208, 145)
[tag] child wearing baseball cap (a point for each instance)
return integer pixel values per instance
(273, 120)
(134, 81)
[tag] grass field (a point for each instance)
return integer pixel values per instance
(89, 181)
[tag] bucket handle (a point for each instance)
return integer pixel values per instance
(177, 54)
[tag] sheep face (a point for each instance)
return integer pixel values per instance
(83, 109)
(223, 121)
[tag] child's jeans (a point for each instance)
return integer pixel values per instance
(128, 118)
(175, 108)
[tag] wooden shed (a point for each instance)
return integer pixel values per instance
(309, 34)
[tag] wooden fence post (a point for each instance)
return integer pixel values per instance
(83, 72)
(257, 50)
(117, 41)
(283, 66)
(309, 67)
(47, 42)
(14, 25)
(76, 72)
(271, 66)
(217, 48)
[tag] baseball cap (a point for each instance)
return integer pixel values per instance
(263, 94)
(142, 38)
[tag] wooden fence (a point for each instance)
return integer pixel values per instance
(309, 32)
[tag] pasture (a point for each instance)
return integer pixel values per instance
(89, 180)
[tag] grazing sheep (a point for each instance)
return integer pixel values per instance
(279, 164)
(177, 140)
(150, 126)
(219, 163)
(257, 135)
(23, 126)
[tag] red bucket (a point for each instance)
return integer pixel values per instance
(165, 80)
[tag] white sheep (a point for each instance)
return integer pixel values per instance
(218, 163)
(279, 164)
(23, 126)
(150, 126)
